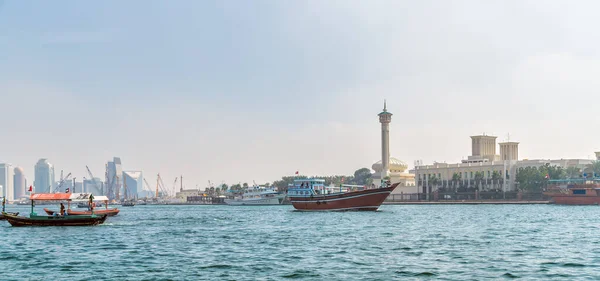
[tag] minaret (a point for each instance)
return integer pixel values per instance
(385, 118)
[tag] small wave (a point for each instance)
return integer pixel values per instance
(571, 264)
(425, 274)
(509, 275)
(217, 266)
(300, 274)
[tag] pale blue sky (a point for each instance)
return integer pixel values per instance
(252, 90)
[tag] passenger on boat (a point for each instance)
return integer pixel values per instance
(62, 209)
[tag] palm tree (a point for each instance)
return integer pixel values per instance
(573, 172)
(496, 177)
(478, 178)
(433, 181)
(456, 177)
(595, 166)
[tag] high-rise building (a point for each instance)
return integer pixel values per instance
(114, 180)
(134, 184)
(44, 177)
(95, 186)
(6, 181)
(19, 183)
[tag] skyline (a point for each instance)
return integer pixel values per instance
(236, 92)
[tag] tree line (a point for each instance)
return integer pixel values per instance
(361, 176)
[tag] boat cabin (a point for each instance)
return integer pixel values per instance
(308, 187)
(581, 187)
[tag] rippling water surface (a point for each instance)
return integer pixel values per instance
(442, 242)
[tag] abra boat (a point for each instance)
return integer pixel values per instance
(2, 217)
(128, 203)
(55, 220)
(313, 195)
(4, 210)
(85, 197)
(257, 195)
(574, 192)
(34, 220)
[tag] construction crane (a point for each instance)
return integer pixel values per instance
(147, 185)
(94, 180)
(62, 181)
(175, 184)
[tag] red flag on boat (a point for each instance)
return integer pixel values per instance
(30, 188)
(296, 172)
(547, 176)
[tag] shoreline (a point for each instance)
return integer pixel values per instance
(468, 202)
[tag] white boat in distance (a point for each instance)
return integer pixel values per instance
(258, 195)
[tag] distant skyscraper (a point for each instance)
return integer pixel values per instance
(94, 187)
(134, 181)
(6, 181)
(44, 177)
(114, 173)
(20, 183)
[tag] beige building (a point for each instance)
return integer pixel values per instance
(484, 169)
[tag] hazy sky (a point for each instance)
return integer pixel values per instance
(238, 91)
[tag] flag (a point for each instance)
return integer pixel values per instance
(342, 179)
(296, 172)
(67, 190)
(547, 176)
(30, 188)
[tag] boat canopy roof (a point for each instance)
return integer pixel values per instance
(310, 180)
(50, 196)
(86, 197)
(66, 196)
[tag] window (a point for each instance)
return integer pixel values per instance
(489, 173)
(471, 176)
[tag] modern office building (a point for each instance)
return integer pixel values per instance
(114, 180)
(6, 181)
(44, 177)
(95, 186)
(19, 182)
(133, 184)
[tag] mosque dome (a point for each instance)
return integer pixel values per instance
(396, 166)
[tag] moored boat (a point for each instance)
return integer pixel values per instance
(108, 212)
(574, 192)
(54, 220)
(313, 195)
(257, 196)
(34, 220)
(8, 213)
(84, 198)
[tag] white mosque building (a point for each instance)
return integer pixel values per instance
(389, 167)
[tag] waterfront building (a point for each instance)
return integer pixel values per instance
(389, 167)
(6, 181)
(114, 179)
(19, 183)
(484, 169)
(44, 177)
(134, 181)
